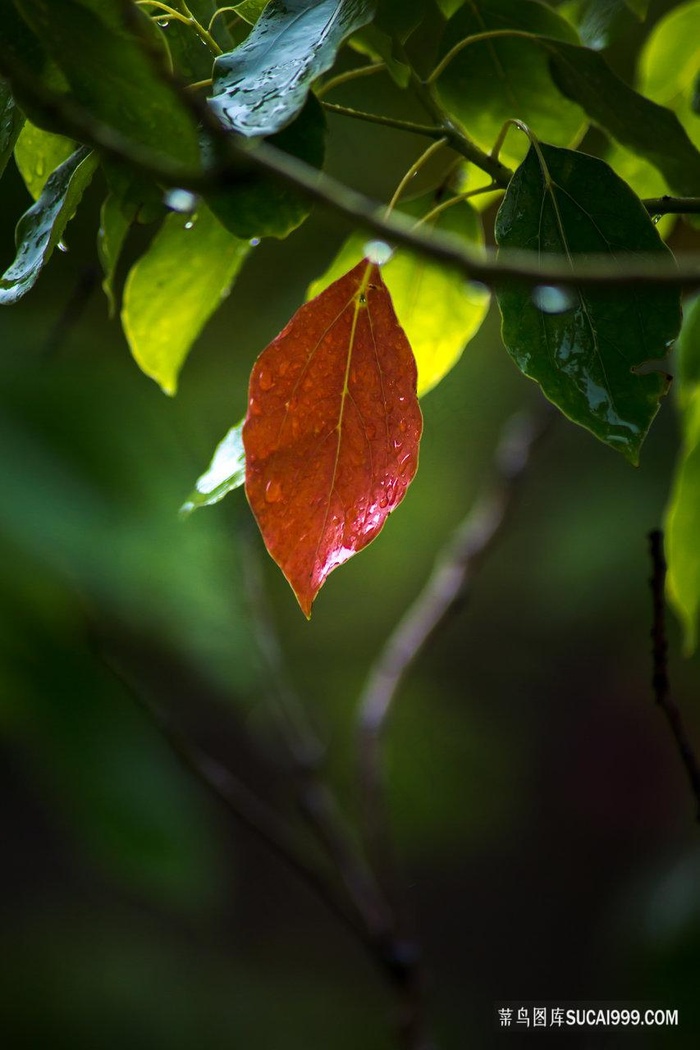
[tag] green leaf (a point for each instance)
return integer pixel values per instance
(38, 153)
(172, 291)
(438, 310)
(140, 199)
(377, 45)
(585, 347)
(263, 206)
(106, 51)
(491, 81)
(649, 130)
(261, 86)
(638, 8)
(688, 354)
(669, 65)
(225, 473)
(399, 18)
(40, 229)
(114, 226)
(191, 58)
(598, 21)
(250, 10)
(11, 120)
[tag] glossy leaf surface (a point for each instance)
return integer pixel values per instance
(332, 430)
(262, 206)
(108, 51)
(683, 512)
(172, 291)
(225, 473)
(40, 229)
(438, 310)
(11, 120)
(261, 86)
(38, 153)
(647, 129)
(584, 346)
(491, 81)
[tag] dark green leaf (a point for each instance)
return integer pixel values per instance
(262, 85)
(598, 21)
(38, 153)
(225, 473)
(263, 206)
(584, 347)
(11, 120)
(644, 127)
(114, 226)
(378, 45)
(638, 8)
(491, 81)
(40, 229)
(192, 59)
(398, 18)
(108, 54)
(140, 199)
(172, 291)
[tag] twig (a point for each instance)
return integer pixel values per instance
(672, 205)
(351, 74)
(428, 130)
(445, 589)
(362, 211)
(660, 682)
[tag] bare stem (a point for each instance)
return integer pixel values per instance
(348, 76)
(660, 681)
(428, 130)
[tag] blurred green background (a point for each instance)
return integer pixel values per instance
(548, 834)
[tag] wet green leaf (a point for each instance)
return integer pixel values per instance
(647, 129)
(114, 226)
(172, 291)
(40, 229)
(225, 473)
(261, 86)
(263, 206)
(584, 347)
(109, 56)
(38, 153)
(683, 511)
(438, 310)
(490, 81)
(11, 120)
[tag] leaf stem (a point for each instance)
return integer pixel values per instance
(413, 171)
(477, 38)
(223, 11)
(163, 9)
(388, 122)
(199, 29)
(440, 208)
(348, 76)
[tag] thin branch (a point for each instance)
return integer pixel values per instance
(240, 158)
(428, 130)
(444, 591)
(672, 205)
(348, 76)
(660, 681)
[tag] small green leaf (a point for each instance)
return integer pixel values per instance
(379, 46)
(438, 310)
(225, 473)
(114, 226)
(584, 346)
(11, 120)
(106, 51)
(263, 206)
(40, 229)
(172, 291)
(649, 130)
(38, 153)
(261, 86)
(490, 81)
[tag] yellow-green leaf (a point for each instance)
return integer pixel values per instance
(172, 291)
(37, 154)
(438, 310)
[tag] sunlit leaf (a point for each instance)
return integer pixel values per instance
(584, 346)
(172, 291)
(669, 65)
(40, 229)
(225, 473)
(261, 86)
(250, 10)
(38, 153)
(11, 120)
(111, 235)
(263, 206)
(649, 130)
(108, 53)
(488, 82)
(332, 430)
(438, 310)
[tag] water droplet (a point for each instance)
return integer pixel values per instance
(190, 222)
(62, 246)
(180, 200)
(254, 242)
(273, 492)
(377, 252)
(552, 300)
(164, 23)
(265, 381)
(656, 219)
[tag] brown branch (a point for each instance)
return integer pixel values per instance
(660, 680)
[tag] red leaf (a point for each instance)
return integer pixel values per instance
(332, 431)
